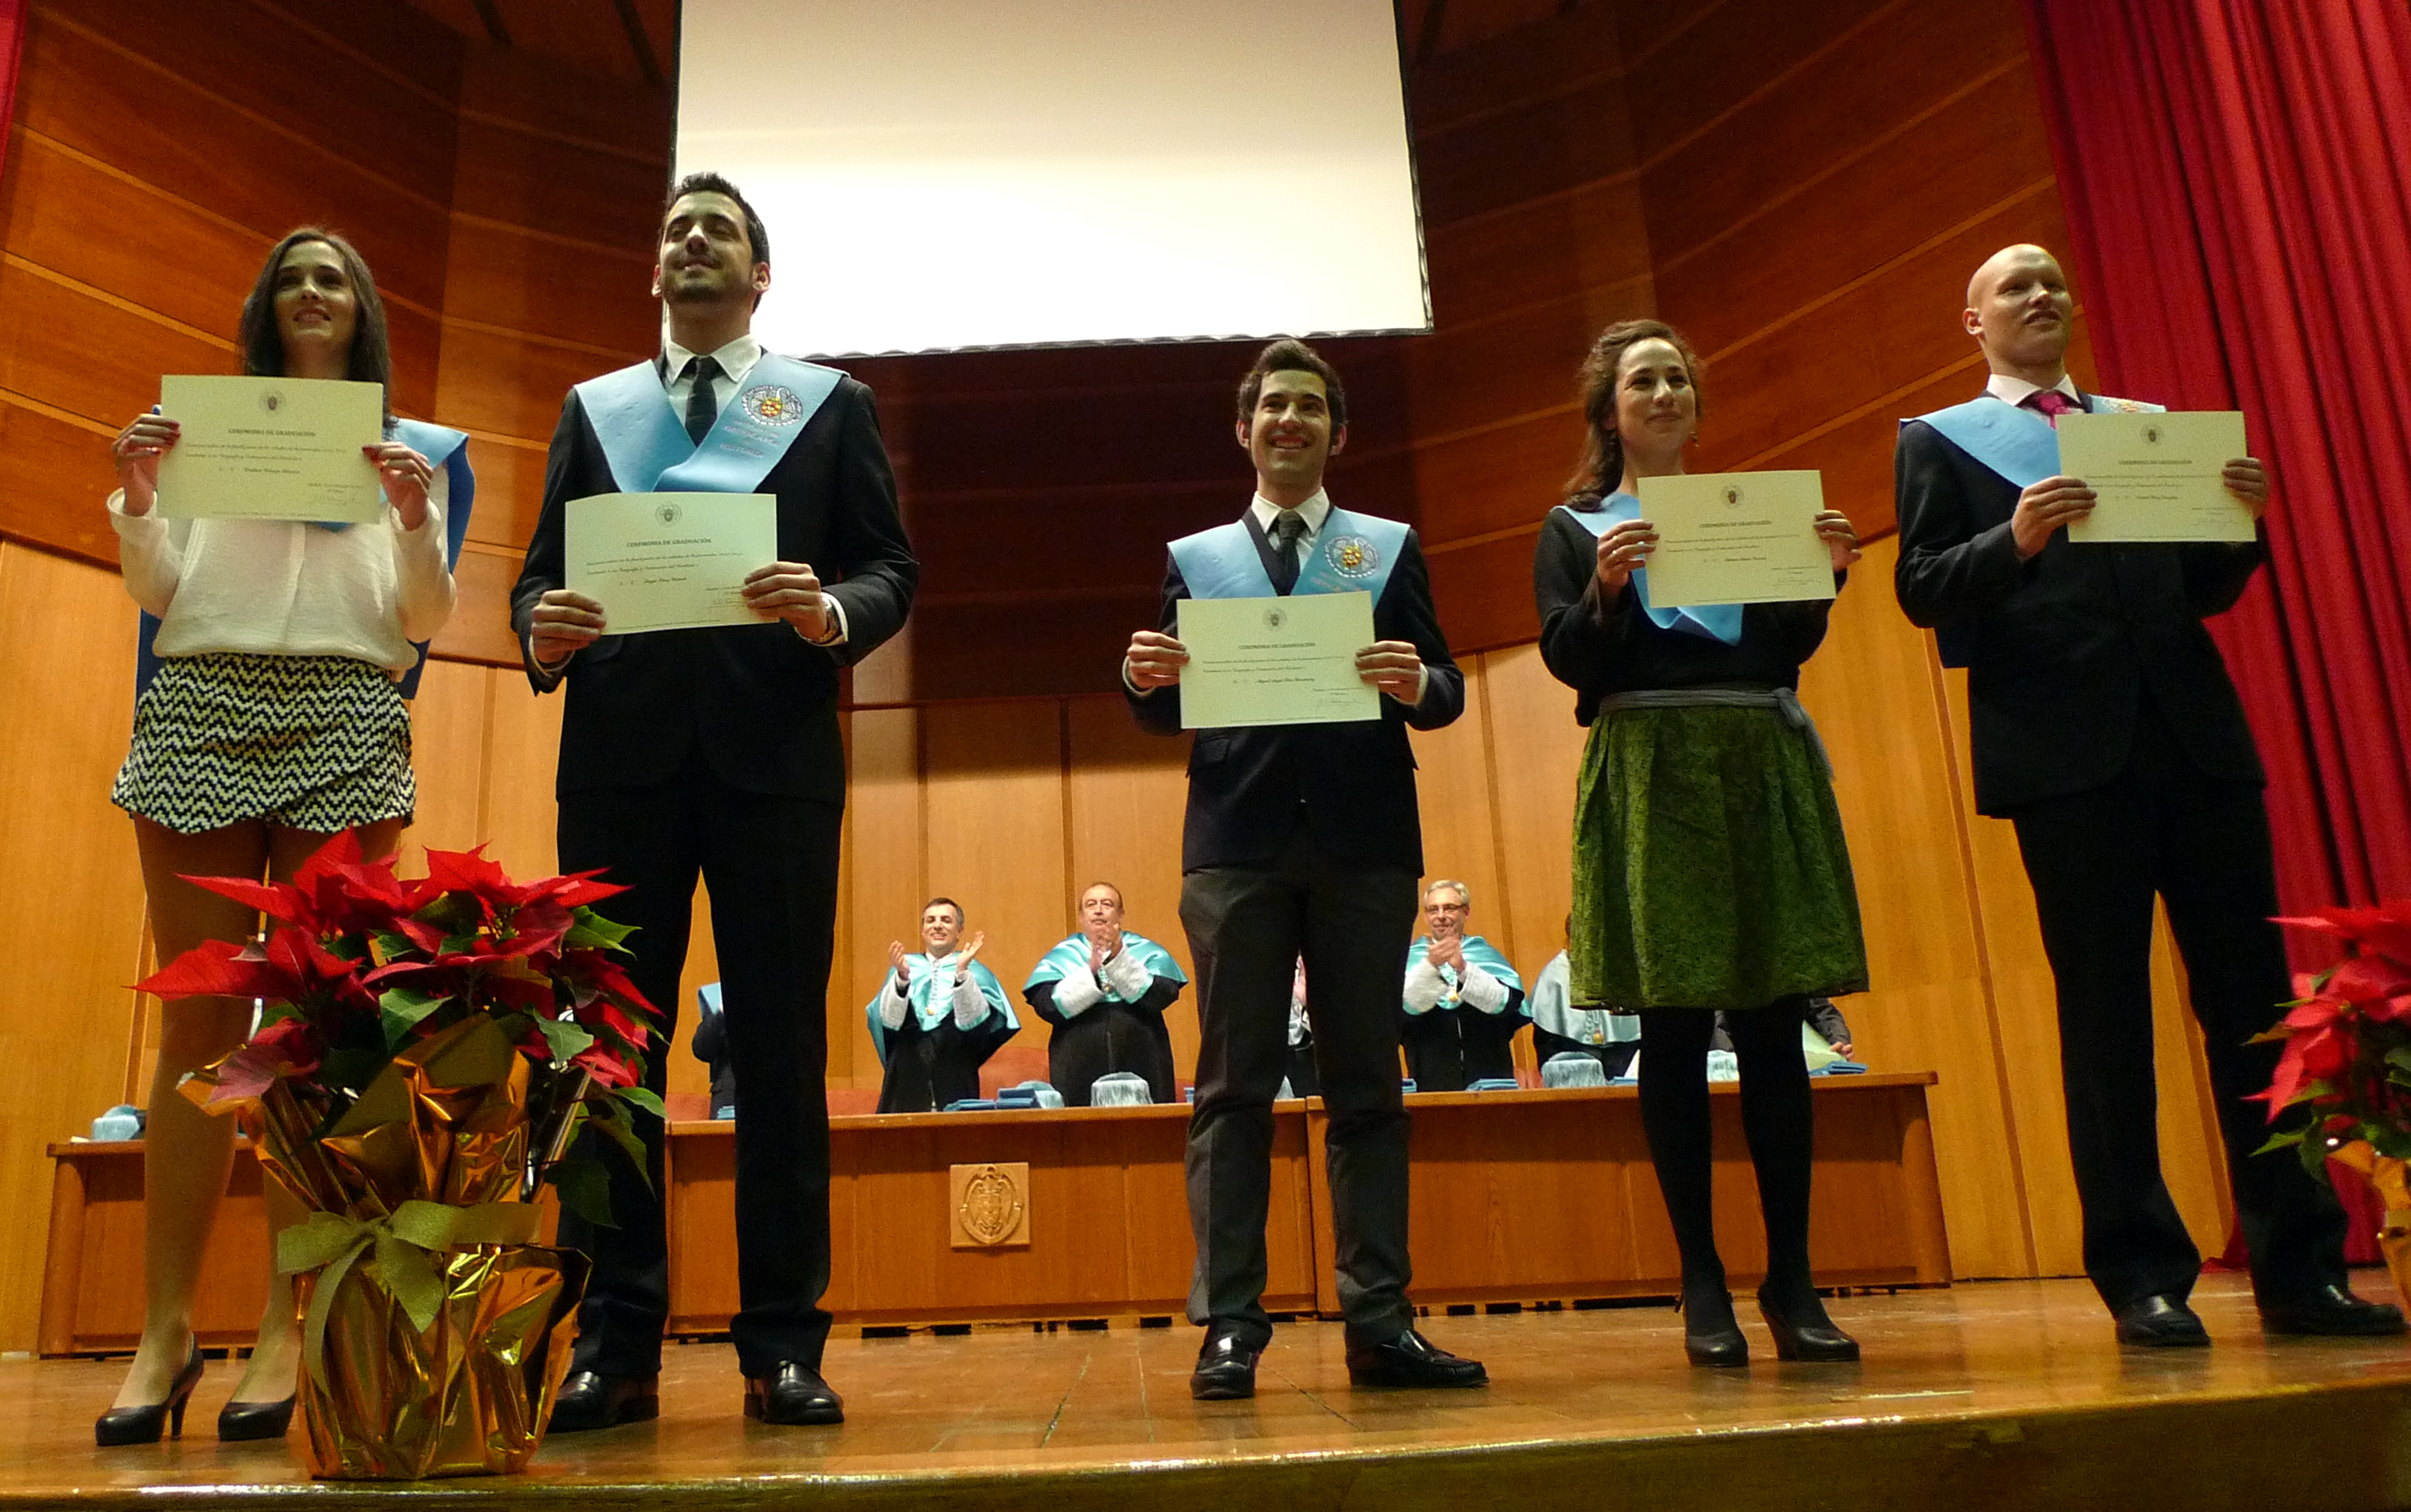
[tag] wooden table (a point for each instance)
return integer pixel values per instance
(1517, 1196)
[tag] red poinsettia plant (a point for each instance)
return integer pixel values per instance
(2347, 1052)
(361, 961)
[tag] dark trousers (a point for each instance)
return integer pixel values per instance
(1248, 927)
(2097, 859)
(1448, 1050)
(771, 866)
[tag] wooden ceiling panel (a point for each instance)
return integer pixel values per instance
(593, 37)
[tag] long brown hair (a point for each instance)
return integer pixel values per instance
(263, 345)
(1601, 467)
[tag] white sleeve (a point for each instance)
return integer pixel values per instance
(149, 553)
(1426, 987)
(1076, 991)
(893, 1003)
(1484, 991)
(1125, 976)
(422, 580)
(970, 1005)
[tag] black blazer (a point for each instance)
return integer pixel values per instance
(758, 701)
(1351, 787)
(2061, 650)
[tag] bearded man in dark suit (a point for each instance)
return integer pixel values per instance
(716, 752)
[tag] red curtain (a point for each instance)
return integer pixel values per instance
(12, 42)
(2237, 175)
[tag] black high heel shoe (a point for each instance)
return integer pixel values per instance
(1811, 1338)
(1711, 1334)
(241, 1421)
(144, 1425)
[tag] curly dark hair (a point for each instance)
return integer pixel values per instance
(263, 347)
(1288, 355)
(1601, 467)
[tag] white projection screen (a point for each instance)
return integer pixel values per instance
(939, 175)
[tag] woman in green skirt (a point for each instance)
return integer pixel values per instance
(1709, 868)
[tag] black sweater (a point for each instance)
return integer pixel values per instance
(1600, 649)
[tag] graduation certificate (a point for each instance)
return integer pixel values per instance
(1275, 661)
(1736, 539)
(271, 448)
(669, 560)
(2157, 476)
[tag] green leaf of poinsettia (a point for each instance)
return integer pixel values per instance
(566, 1038)
(401, 1008)
(593, 932)
(585, 1188)
(645, 1098)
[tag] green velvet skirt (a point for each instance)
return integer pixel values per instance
(1709, 866)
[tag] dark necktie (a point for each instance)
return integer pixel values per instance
(702, 405)
(2051, 403)
(1286, 530)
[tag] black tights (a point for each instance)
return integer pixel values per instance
(1775, 1116)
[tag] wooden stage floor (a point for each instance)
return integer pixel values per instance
(1984, 1396)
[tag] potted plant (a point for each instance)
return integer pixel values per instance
(427, 1050)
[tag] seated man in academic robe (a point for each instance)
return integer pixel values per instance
(1301, 1081)
(1464, 1004)
(938, 1016)
(1104, 991)
(1560, 1027)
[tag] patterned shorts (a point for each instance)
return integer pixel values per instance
(319, 744)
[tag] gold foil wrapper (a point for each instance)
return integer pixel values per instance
(467, 1387)
(469, 1395)
(2392, 1180)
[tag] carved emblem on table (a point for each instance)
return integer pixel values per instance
(991, 1205)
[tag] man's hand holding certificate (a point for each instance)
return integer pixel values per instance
(2156, 476)
(669, 560)
(271, 448)
(1737, 538)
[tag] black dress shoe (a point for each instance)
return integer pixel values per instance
(2159, 1322)
(241, 1421)
(589, 1400)
(1226, 1368)
(1710, 1335)
(793, 1395)
(144, 1425)
(1804, 1334)
(2332, 1310)
(1411, 1359)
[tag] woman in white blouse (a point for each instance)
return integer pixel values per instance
(275, 722)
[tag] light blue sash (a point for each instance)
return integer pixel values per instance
(650, 451)
(930, 1009)
(1353, 551)
(1073, 954)
(1710, 622)
(1477, 953)
(2016, 442)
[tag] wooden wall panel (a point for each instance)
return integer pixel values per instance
(1457, 797)
(1535, 753)
(885, 878)
(996, 843)
(70, 887)
(1126, 794)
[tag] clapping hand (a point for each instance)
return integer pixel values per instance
(1840, 537)
(897, 963)
(972, 948)
(1449, 953)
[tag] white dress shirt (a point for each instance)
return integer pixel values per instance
(2013, 390)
